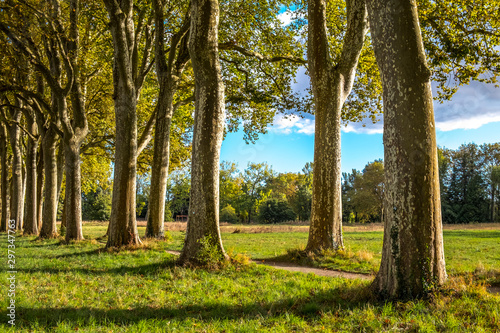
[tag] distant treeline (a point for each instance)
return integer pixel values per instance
(469, 179)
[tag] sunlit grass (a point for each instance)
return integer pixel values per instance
(81, 286)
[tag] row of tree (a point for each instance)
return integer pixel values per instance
(237, 56)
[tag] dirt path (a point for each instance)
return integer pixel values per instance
(306, 270)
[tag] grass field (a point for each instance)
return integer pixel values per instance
(81, 287)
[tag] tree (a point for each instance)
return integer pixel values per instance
(495, 183)
(466, 193)
(332, 79)
(129, 73)
(412, 255)
(178, 190)
(491, 157)
(368, 193)
(169, 70)
(203, 222)
(255, 177)
(4, 178)
(228, 214)
(17, 197)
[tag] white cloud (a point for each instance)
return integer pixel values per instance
(287, 124)
(472, 106)
(285, 18)
(364, 128)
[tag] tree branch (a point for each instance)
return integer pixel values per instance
(233, 47)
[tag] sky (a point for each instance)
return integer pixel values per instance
(472, 115)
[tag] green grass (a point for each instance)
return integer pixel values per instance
(80, 286)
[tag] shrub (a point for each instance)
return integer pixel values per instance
(275, 211)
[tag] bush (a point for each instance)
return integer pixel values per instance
(228, 214)
(275, 211)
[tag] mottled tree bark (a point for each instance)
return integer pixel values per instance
(413, 256)
(17, 199)
(73, 193)
(75, 130)
(169, 70)
(5, 192)
(331, 85)
(39, 187)
(122, 225)
(49, 212)
(31, 217)
(203, 222)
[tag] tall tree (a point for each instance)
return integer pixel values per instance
(169, 69)
(331, 83)
(4, 177)
(203, 223)
(129, 73)
(17, 198)
(412, 255)
(31, 217)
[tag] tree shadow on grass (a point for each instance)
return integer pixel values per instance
(149, 269)
(309, 308)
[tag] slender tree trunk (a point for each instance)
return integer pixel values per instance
(331, 84)
(49, 213)
(31, 218)
(17, 200)
(39, 187)
(169, 72)
(5, 192)
(493, 193)
(203, 222)
(412, 256)
(73, 193)
(159, 169)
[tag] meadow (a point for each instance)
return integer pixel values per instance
(83, 287)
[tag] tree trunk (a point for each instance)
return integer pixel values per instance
(39, 187)
(31, 218)
(122, 224)
(73, 193)
(331, 84)
(169, 72)
(159, 169)
(203, 222)
(49, 213)
(412, 256)
(17, 200)
(493, 193)
(5, 192)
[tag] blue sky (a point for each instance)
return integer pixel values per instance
(473, 115)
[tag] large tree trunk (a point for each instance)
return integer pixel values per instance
(122, 224)
(73, 193)
(49, 213)
(412, 256)
(31, 218)
(331, 84)
(5, 192)
(203, 222)
(17, 200)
